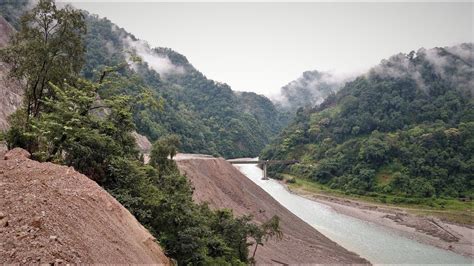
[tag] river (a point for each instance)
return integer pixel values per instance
(375, 243)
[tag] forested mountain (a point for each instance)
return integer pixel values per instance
(404, 128)
(308, 90)
(207, 115)
(83, 98)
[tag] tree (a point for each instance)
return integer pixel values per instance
(47, 48)
(265, 232)
(163, 151)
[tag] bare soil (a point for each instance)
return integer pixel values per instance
(424, 229)
(220, 184)
(53, 214)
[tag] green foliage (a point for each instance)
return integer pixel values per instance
(263, 233)
(208, 116)
(88, 124)
(101, 146)
(47, 48)
(403, 129)
(163, 148)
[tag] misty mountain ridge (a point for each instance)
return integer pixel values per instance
(404, 128)
(308, 90)
(453, 64)
(207, 115)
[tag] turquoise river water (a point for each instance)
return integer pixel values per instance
(377, 244)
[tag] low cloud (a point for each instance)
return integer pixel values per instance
(453, 64)
(310, 89)
(158, 62)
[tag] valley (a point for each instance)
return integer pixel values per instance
(368, 230)
(220, 184)
(114, 149)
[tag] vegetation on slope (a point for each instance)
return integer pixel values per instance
(86, 124)
(308, 90)
(207, 115)
(406, 128)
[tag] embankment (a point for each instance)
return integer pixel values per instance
(223, 186)
(51, 214)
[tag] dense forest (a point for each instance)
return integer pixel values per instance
(81, 113)
(404, 128)
(308, 90)
(208, 116)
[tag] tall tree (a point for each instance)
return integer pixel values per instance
(47, 48)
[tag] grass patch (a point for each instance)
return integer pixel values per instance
(451, 210)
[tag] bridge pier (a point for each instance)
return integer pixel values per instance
(263, 163)
(265, 177)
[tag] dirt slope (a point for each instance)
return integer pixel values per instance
(10, 90)
(223, 186)
(51, 213)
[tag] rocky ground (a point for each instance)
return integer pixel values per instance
(223, 186)
(53, 214)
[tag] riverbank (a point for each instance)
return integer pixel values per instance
(422, 228)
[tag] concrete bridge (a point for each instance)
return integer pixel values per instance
(264, 163)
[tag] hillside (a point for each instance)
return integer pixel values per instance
(308, 90)
(207, 115)
(223, 186)
(53, 214)
(86, 119)
(406, 128)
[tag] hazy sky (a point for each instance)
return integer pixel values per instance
(262, 46)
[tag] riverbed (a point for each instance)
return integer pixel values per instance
(376, 243)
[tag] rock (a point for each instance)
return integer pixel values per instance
(17, 153)
(53, 237)
(144, 145)
(2, 215)
(36, 222)
(3, 223)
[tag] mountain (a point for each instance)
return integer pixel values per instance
(207, 115)
(404, 128)
(308, 90)
(125, 83)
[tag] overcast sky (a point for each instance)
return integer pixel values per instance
(262, 46)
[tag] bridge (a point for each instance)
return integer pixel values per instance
(264, 163)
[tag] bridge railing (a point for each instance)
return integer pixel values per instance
(263, 161)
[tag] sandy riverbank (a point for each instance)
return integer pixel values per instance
(424, 229)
